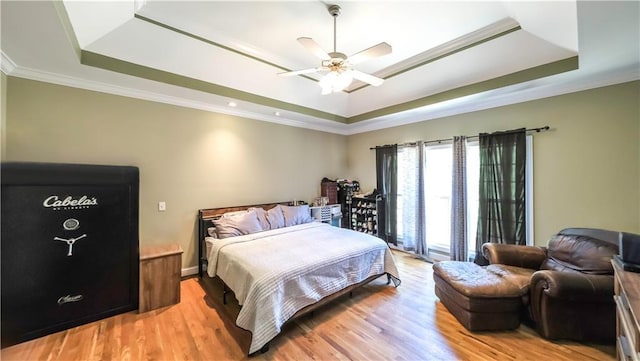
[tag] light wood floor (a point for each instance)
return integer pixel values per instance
(378, 323)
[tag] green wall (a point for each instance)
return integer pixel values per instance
(586, 168)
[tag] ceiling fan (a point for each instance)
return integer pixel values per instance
(338, 65)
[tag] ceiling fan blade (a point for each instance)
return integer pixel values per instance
(313, 47)
(367, 78)
(370, 53)
(300, 72)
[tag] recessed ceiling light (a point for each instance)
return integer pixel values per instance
(232, 104)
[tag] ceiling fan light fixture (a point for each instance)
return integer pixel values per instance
(339, 66)
(336, 81)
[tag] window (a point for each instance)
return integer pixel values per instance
(437, 190)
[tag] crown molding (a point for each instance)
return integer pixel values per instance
(492, 31)
(75, 82)
(532, 90)
(6, 64)
(509, 95)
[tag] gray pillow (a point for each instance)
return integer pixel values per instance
(294, 215)
(238, 225)
(275, 217)
(262, 217)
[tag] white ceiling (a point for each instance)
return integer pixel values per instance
(448, 57)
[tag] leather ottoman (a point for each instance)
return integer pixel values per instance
(482, 298)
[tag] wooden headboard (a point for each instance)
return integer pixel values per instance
(206, 216)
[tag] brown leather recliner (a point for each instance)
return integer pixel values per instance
(571, 292)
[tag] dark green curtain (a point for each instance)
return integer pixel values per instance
(387, 185)
(501, 213)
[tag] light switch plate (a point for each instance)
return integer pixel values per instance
(162, 206)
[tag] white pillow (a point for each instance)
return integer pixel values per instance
(294, 215)
(275, 217)
(234, 214)
(211, 231)
(237, 225)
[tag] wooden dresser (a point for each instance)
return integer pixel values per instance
(627, 296)
(160, 270)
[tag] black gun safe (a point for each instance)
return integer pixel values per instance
(69, 246)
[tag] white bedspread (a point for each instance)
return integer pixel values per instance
(276, 273)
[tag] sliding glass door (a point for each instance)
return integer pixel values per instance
(437, 187)
(438, 184)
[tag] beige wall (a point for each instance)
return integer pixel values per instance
(188, 158)
(586, 169)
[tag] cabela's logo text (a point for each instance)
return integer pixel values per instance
(69, 202)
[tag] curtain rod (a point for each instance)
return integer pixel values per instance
(536, 130)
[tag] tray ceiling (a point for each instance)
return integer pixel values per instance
(447, 58)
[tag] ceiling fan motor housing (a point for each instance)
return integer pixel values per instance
(334, 10)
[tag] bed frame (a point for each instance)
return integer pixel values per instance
(205, 218)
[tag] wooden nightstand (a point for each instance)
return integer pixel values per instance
(160, 270)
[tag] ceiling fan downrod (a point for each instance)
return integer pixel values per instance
(334, 10)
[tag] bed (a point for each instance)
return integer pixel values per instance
(280, 268)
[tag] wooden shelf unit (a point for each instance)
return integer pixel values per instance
(365, 215)
(627, 297)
